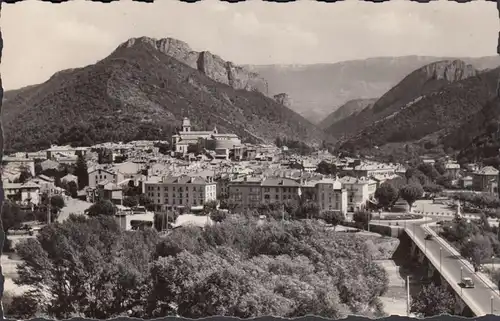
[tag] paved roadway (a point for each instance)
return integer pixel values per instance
(454, 268)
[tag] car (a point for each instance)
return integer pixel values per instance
(467, 283)
(428, 236)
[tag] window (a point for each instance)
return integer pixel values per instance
(277, 197)
(266, 196)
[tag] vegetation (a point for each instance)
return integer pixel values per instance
(433, 300)
(410, 193)
(386, 195)
(139, 93)
(433, 107)
(326, 168)
(247, 270)
(294, 145)
(475, 240)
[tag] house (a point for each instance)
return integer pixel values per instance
(452, 169)
(110, 191)
(24, 194)
(359, 191)
(374, 169)
(130, 219)
(98, 174)
(69, 178)
(47, 184)
(19, 163)
(66, 151)
(327, 193)
(181, 192)
(466, 182)
(484, 179)
(49, 164)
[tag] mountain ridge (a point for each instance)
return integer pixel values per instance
(427, 113)
(139, 92)
(318, 89)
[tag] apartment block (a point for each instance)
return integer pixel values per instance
(184, 191)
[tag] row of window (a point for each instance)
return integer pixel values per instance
(181, 188)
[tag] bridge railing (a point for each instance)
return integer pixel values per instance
(456, 287)
(466, 262)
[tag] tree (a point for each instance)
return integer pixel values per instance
(73, 189)
(12, 218)
(445, 180)
(161, 220)
(145, 201)
(362, 217)
(387, 195)
(102, 207)
(97, 257)
(410, 193)
(429, 171)
(57, 202)
(476, 249)
(333, 217)
(218, 216)
(130, 201)
(433, 188)
(81, 171)
(433, 300)
(326, 168)
(209, 207)
(25, 175)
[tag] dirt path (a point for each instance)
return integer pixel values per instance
(395, 299)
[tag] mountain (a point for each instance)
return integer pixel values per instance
(349, 108)
(427, 106)
(141, 92)
(479, 138)
(316, 88)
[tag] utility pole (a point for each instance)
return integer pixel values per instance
(49, 199)
(408, 295)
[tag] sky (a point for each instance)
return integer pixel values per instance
(42, 38)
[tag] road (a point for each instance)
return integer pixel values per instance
(454, 269)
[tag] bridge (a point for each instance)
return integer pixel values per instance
(445, 266)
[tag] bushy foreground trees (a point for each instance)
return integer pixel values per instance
(89, 267)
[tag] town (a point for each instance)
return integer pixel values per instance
(204, 177)
(201, 167)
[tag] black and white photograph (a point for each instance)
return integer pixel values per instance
(250, 159)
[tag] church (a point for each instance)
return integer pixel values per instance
(213, 140)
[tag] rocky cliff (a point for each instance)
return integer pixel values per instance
(283, 99)
(209, 64)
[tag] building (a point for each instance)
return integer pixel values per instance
(110, 191)
(20, 163)
(452, 169)
(466, 182)
(374, 169)
(98, 174)
(245, 192)
(131, 219)
(55, 152)
(484, 179)
(279, 190)
(47, 184)
(212, 140)
(328, 194)
(359, 192)
(23, 194)
(69, 178)
(181, 192)
(250, 192)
